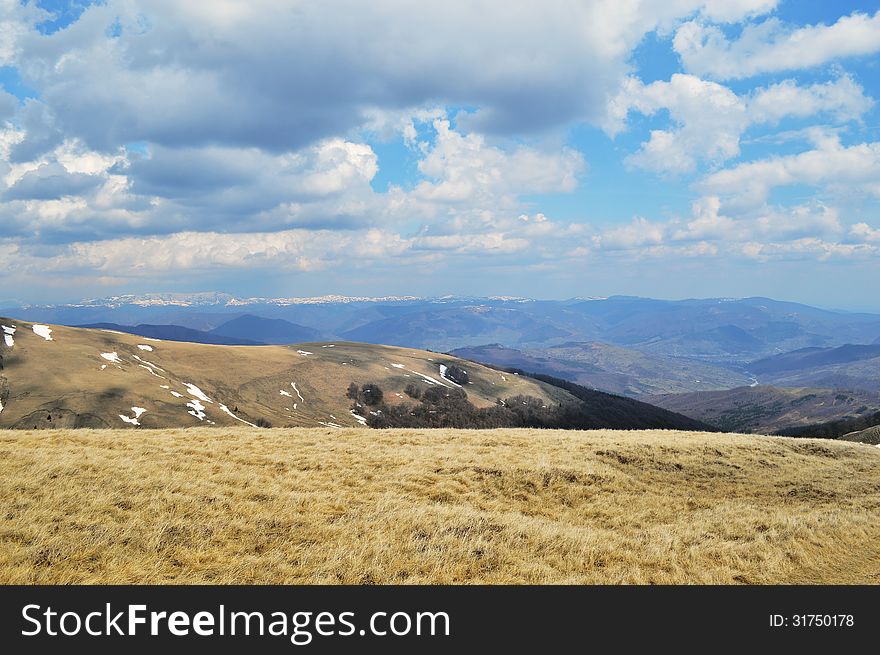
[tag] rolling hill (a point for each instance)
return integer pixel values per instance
(56, 376)
(266, 330)
(766, 409)
(870, 436)
(354, 506)
(850, 366)
(174, 333)
(610, 368)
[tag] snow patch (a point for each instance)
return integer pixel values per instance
(429, 379)
(329, 345)
(193, 390)
(176, 394)
(304, 352)
(301, 399)
(142, 346)
(197, 409)
(164, 386)
(150, 364)
(360, 419)
(286, 393)
(43, 331)
(151, 371)
(398, 366)
(133, 420)
(443, 370)
(112, 357)
(227, 410)
(7, 335)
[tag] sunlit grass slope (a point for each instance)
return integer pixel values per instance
(233, 505)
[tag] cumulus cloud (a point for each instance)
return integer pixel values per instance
(830, 164)
(464, 167)
(708, 119)
(771, 46)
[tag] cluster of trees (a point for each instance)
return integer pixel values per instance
(442, 407)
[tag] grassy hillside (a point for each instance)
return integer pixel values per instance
(766, 409)
(104, 379)
(101, 379)
(365, 506)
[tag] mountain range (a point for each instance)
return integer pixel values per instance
(725, 331)
(737, 362)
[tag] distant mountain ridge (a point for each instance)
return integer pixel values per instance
(174, 333)
(267, 330)
(719, 331)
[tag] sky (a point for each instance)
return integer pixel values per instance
(549, 149)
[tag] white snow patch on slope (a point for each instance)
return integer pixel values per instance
(150, 364)
(164, 386)
(43, 331)
(329, 425)
(111, 357)
(286, 393)
(429, 379)
(151, 371)
(197, 409)
(443, 370)
(134, 420)
(329, 345)
(227, 410)
(7, 335)
(142, 346)
(304, 352)
(398, 366)
(301, 399)
(193, 390)
(360, 419)
(177, 394)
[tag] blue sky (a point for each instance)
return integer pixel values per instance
(690, 148)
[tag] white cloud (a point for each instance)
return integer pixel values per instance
(709, 119)
(465, 168)
(637, 234)
(830, 164)
(864, 232)
(843, 98)
(771, 46)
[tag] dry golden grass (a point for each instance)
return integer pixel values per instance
(507, 506)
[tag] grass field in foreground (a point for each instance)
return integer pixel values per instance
(366, 506)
